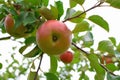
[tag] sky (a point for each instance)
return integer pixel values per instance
(111, 15)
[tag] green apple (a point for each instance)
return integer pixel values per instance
(53, 37)
(66, 57)
(9, 24)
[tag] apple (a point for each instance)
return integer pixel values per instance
(66, 57)
(53, 37)
(9, 24)
(106, 59)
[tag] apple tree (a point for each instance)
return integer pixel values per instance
(44, 26)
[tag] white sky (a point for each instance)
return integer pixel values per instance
(111, 15)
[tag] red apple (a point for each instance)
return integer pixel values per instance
(66, 57)
(106, 59)
(9, 24)
(53, 37)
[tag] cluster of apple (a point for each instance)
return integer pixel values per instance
(52, 37)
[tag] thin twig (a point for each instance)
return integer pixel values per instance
(41, 57)
(5, 38)
(83, 12)
(79, 48)
(107, 69)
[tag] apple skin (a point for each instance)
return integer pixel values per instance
(66, 57)
(10, 28)
(106, 59)
(53, 37)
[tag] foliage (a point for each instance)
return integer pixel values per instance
(32, 13)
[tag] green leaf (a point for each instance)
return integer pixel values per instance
(80, 27)
(45, 2)
(72, 13)
(23, 48)
(35, 51)
(29, 18)
(79, 1)
(112, 77)
(32, 75)
(113, 40)
(106, 46)
(78, 19)
(32, 2)
(47, 13)
(111, 67)
(0, 65)
(54, 11)
(51, 76)
(53, 64)
(83, 76)
(114, 3)
(60, 8)
(30, 40)
(99, 21)
(117, 54)
(69, 13)
(118, 47)
(88, 39)
(95, 64)
(72, 3)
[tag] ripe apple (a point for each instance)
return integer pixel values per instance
(106, 59)
(9, 24)
(66, 57)
(53, 37)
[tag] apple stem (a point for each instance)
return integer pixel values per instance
(41, 57)
(96, 5)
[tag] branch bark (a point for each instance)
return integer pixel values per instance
(97, 5)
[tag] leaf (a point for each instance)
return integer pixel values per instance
(32, 75)
(117, 54)
(45, 2)
(88, 39)
(83, 76)
(78, 19)
(30, 40)
(72, 13)
(29, 18)
(44, 11)
(54, 11)
(23, 48)
(114, 3)
(60, 8)
(106, 46)
(1, 65)
(99, 21)
(111, 67)
(51, 76)
(118, 47)
(53, 64)
(113, 40)
(112, 77)
(100, 73)
(35, 51)
(69, 13)
(32, 2)
(80, 27)
(79, 1)
(72, 3)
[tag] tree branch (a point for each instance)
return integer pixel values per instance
(4, 38)
(41, 57)
(107, 69)
(79, 48)
(83, 12)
